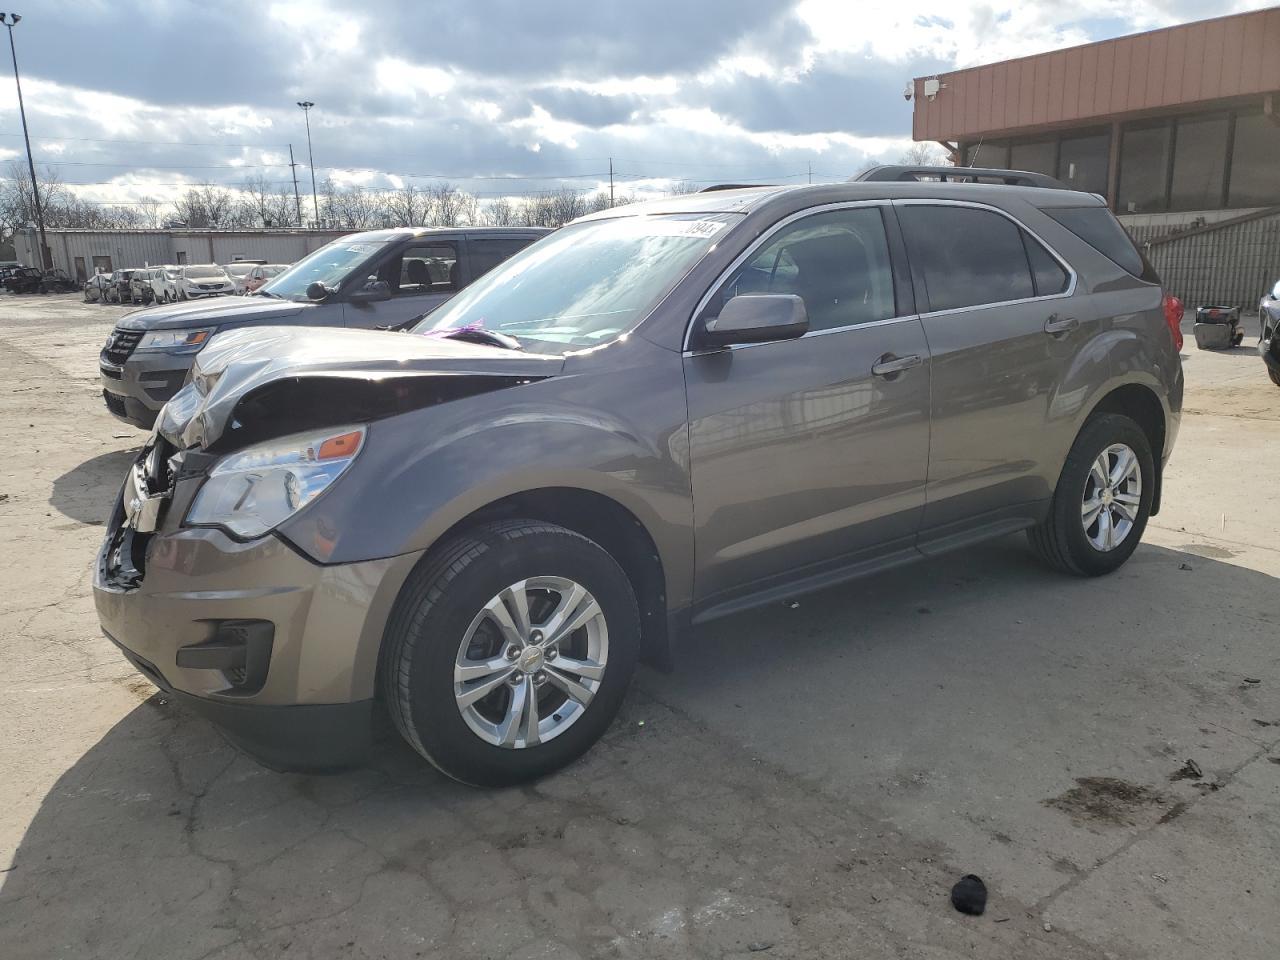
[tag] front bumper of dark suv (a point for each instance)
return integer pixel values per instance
(135, 388)
(278, 651)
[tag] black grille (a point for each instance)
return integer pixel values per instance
(122, 345)
(114, 403)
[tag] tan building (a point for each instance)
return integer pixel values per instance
(1178, 128)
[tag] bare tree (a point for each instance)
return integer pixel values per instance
(924, 155)
(451, 207)
(500, 213)
(205, 206)
(679, 188)
(17, 197)
(407, 206)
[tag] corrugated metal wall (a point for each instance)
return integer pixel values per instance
(1233, 265)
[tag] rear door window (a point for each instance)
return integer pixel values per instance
(968, 256)
(487, 253)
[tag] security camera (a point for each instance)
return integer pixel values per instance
(909, 92)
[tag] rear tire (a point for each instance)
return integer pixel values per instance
(443, 621)
(1093, 527)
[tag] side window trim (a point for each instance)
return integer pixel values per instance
(890, 227)
(926, 306)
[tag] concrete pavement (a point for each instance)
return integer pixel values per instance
(809, 782)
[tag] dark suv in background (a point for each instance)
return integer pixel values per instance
(659, 415)
(373, 279)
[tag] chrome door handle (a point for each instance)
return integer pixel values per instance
(888, 365)
(1055, 326)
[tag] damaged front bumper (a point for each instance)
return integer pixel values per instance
(277, 650)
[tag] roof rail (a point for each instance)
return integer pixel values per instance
(1012, 178)
(734, 186)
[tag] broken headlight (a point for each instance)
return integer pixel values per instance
(253, 491)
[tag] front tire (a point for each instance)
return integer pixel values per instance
(1103, 499)
(509, 651)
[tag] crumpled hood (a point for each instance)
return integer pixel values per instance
(213, 311)
(240, 362)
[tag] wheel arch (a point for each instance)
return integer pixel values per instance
(1139, 403)
(605, 521)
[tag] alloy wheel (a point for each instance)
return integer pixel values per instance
(1112, 497)
(530, 662)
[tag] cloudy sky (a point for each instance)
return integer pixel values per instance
(506, 97)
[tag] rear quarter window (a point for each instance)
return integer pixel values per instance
(1097, 227)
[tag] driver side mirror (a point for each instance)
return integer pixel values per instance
(373, 291)
(757, 318)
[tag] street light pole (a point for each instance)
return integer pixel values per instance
(10, 20)
(306, 106)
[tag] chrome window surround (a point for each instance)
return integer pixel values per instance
(852, 204)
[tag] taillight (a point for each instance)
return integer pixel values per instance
(1173, 317)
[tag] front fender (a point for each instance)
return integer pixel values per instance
(619, 432)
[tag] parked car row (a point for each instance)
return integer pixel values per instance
(20, 279)
(164, 284)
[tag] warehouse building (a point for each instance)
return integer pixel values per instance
(1179, 129)
(82, 253)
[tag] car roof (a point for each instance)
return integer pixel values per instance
(406, 233)
(747, 199)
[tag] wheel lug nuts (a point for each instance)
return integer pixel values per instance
(539, 678)
(535, 636)
(512, 652)
(551, 653)
(517, 678)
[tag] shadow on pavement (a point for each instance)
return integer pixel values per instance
(87, 492)
(679, 834)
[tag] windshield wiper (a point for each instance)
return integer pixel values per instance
(475, 333)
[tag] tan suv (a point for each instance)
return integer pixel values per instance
(656, 416)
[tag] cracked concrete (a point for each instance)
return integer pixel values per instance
(808, 784)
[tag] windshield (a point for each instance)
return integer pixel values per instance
(204, 273)
(331, 264)
(584, 285)
(239, 269)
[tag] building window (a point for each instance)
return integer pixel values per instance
(80, 271)
(1039, 156)
(102, 265)
(994, 155)
(1199, 162)
(1144, 167)
(1083, 160)
(1255, 154)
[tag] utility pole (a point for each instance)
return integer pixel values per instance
(611, 182)
(10, 20)
(811, 172)
(306, 106)
(297, 200)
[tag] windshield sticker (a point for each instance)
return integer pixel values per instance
(667, 227)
